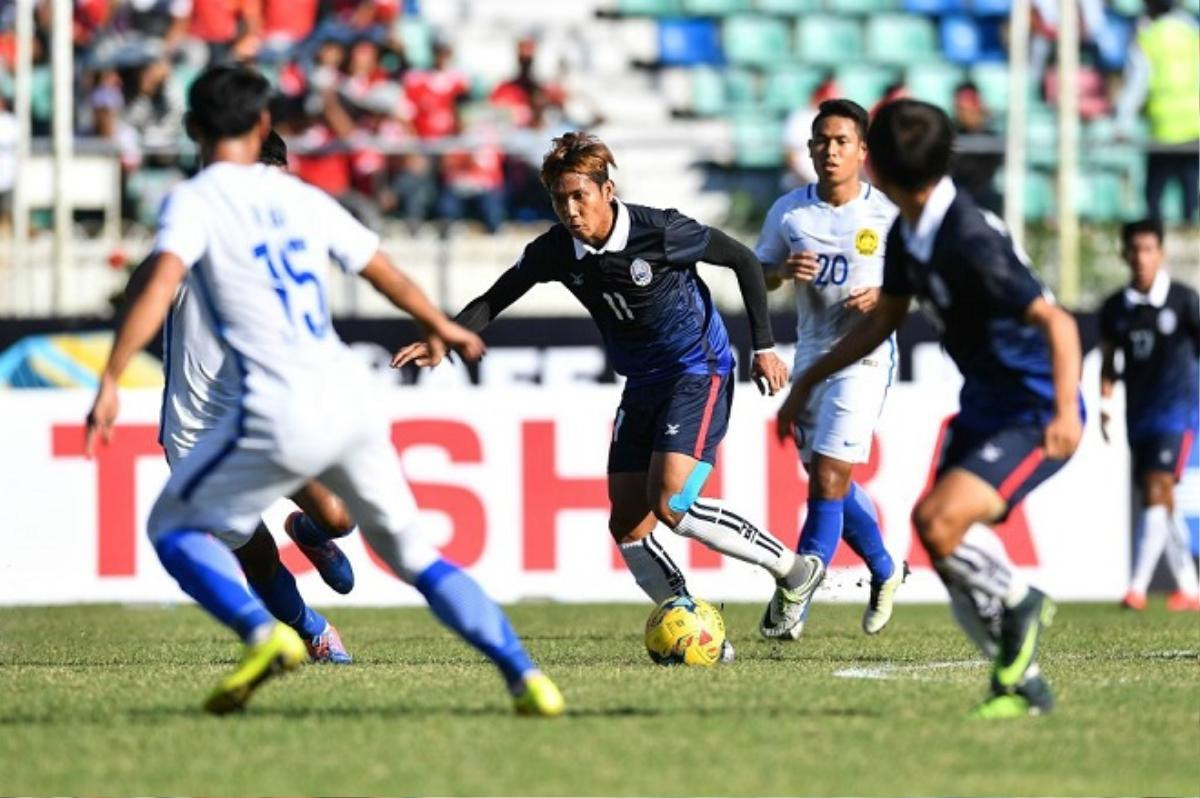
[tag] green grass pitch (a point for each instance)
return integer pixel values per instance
(104, 700)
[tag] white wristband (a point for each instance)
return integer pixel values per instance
(768, 350)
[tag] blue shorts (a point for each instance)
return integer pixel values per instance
(1010, 459)
(688, 414)
(1163, 451)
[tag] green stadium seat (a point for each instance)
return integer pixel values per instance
(1039, 195)
(1128, 8)
(992, 80)
(761, 41)
(860, 7)
(1041, 136)
(901, 39)
(708, 92)
(824, 39)
(864, 83)
(934, 83)
(1172, 203)
(787, 7)
(714, 8)
(41, 93)
(417, 37)
(1098, 197)
(741, 89)
(649, 8)
(789, 87)
(758, 141)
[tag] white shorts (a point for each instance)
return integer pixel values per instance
(225, 484)
(840, 418)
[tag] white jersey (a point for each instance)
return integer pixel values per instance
(258, 243)
(201, 380)
(849, 241)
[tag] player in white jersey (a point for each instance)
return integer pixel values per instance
(257, 243)
(828, 237)
(201, 385)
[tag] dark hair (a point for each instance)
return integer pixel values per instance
(847, 109)
(1149, 226)
(576, 152)
(226, 101)
(910, 143)
(274, 150)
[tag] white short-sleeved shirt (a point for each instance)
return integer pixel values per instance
(849, 242)
(250, 325)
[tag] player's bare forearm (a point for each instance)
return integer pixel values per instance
(402, 292)
(862, 339)
(144, 315)
(724, 251)
(1062, 335)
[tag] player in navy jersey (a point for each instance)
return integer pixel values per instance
(1020, 414)
(1155, 323)
(634, 269)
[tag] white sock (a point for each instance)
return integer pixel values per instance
(979, 617)
(713, 524)
(981, 563)
(1156, 528)
(653, 569)
(1179, 556)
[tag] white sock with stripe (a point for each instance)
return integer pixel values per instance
(981, 563)
(713, 524)
(1179, 555)
(653, 569)
(1156, 528)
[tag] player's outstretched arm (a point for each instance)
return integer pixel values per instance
(137, 327)
(862, 339)
(406, 295)
(1062, 334)
(477, 315)
(768, 371)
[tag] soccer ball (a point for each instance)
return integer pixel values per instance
(685, 631)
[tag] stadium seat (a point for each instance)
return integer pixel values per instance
(1098, 197)
(1128, 8)
(708, 92)
(790, 87)
(933, 8)
(1039, 196)
(41, 93)
(864, 83)
(860, 7)
(1172, 203)
(741, 89)
(992, 80)
(934, 83)
(900, 39)
(1041, 136)
(787, 7)
(714, 8)
(822, 39)
(990, 8)
(758, 141)
(417, 37)
(649, 8)
(761, 41)
(969, 41)
(1112, 41)
(689, 41)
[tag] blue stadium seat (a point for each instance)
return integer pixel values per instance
(934, 8)
(824, 39)
(689, 41)
(863, 83)
(900, 39)
(969, 41)
(990, 8)
(762, 41)
(1112, 41)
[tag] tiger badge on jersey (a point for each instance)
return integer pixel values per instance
(866, 241)
(640, 272)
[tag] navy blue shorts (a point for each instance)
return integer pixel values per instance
(1164, 451)
(1010, 459)
(688, 415)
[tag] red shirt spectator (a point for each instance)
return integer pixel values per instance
(434, 94)
(216, 21)
(292, 20)
(329, 172)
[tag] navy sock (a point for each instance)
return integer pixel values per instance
(283, 599)
(458, 602)
(861, 532)
(822, 529)
(208, 572)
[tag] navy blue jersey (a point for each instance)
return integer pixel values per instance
(1159, 337)
(654, 312)
(977, 288)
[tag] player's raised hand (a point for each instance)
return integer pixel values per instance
(802, 266)
(1062, 435)
(102, 415)
(469, 345)
(418, 352)
(789, 411)
(863, 299)
(769, 373)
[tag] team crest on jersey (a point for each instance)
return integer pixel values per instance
(1167, 321)
(641, 273)
(866, 241)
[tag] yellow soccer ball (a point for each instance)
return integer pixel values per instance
(685, 631)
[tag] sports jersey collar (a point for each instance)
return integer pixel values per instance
(1155, 297)
(919, 242)
(814, 195)
(617, 239)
